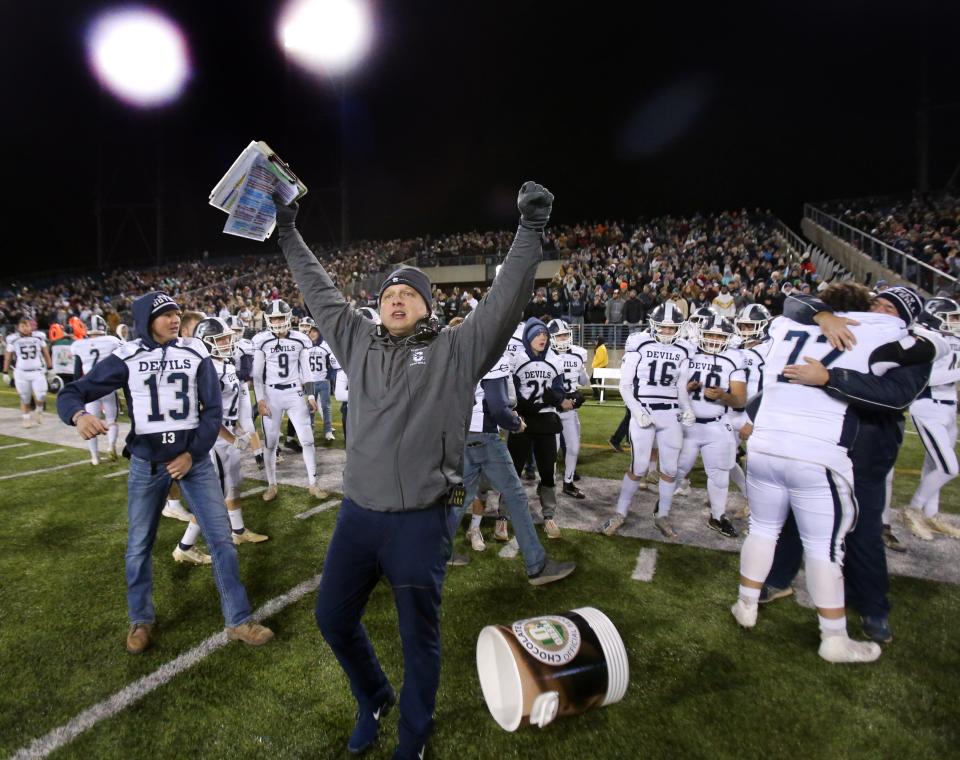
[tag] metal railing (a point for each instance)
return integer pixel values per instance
(614, 336)
(827, 268)
(908, 267)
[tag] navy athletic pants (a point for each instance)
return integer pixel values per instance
(409, 549)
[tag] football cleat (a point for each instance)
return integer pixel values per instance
(877, 628)
(723, 526)
(571, 490)
(191, 556)
(248, 537)
(317, 493)
(551, 528)
(939, 524)
(501, 531)
(176, 512)
(844, 649)
(746, 614)
(915, 521)
(613, 524)
(772, 593)
(476, 539)
(664, 525)
(329, 436)
(890, 540)
(95, 460)
(270, 494)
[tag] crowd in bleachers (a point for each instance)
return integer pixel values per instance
(926, 227)
(610, 273)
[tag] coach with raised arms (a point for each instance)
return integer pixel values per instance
(411, 390)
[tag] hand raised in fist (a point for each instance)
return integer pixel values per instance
(535, 203)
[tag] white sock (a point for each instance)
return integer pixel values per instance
(831, 627)
(174, 504)
(825, 583)
(190, 535)
(738, 478)
(113, 432)
(756, 556)
(750, 596)
(310, 460)
(270, 464)
(718, 497)
(667, 487)
(627, 491)
(94, 448)
(26, 416)
(570, 463)
(475, 522)
(236, 519)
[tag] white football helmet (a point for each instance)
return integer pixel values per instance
(561, 336)
(217, 336)
(751, 323)
(279, 317)
(701, 316)
(941, 314)
(714, 336)
(306, 323)
(370, 313)
(236, 324)
(97, 325)
(665, 322)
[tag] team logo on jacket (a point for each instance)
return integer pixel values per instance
(416, 357)
(553, 640)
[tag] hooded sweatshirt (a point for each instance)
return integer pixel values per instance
(538, 378)
(172, 391)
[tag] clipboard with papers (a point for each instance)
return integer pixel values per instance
(245, 192)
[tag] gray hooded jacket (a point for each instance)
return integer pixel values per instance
(409, 399)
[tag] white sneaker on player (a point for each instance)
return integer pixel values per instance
(329, 436)
(476, 539)
(939, 523)
(683, 489)
(38, 416)
(746, 614)
(613, 524)
(192, 556)
(316, 492)
(270, 494)
(94, 460)
(28, 421)
(917, 523)
(844, 649)
(176, 512)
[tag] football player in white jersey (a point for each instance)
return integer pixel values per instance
(538, 380)
(87, 352)
(236, 431)
(934, 415)
(653, 384)
(319, 359)
(798, 460)
(697, 319)
(280, 370)
(717, 381)
(573, 360)
(751, 327)
(32, 361)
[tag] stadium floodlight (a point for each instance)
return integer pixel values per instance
(139, 55)
(326, 36)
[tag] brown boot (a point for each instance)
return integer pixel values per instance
(138, 638)
(250, 633)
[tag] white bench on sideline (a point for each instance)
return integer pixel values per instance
(605, 378)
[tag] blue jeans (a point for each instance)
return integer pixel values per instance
(323, 396)
(411, 549)
(485, 454)
(147, 487)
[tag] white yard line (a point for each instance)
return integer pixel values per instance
(42, 454)
(136, 691)
(13, 446)
(117, 474)
(317, 510)
(646, 565)
(252, 491)
(48, 469)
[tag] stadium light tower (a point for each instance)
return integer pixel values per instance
(329, 38)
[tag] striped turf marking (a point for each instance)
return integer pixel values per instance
(136, 691)
(48, 469)
(117, 474)
(42, 454)
(13, 446)
(317, 510)
(252, 491)
(646, 565)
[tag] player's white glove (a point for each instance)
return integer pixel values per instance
(241, 441)
(687, 418)
(50, 375)
(644, 420)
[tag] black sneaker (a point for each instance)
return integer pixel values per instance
(571, 490)
(723, 526)
(294, 445)
(529, 474)
(259, 460)
(615, 446)
(576, 477)
(552, 571)
(368, 725)
(877, 628)
(772, 593)
(458, 560)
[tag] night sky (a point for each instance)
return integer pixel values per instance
(621, 109)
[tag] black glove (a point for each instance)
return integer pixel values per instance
(535, 203)
(286, 215)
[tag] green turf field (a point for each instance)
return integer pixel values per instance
(700, 687)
